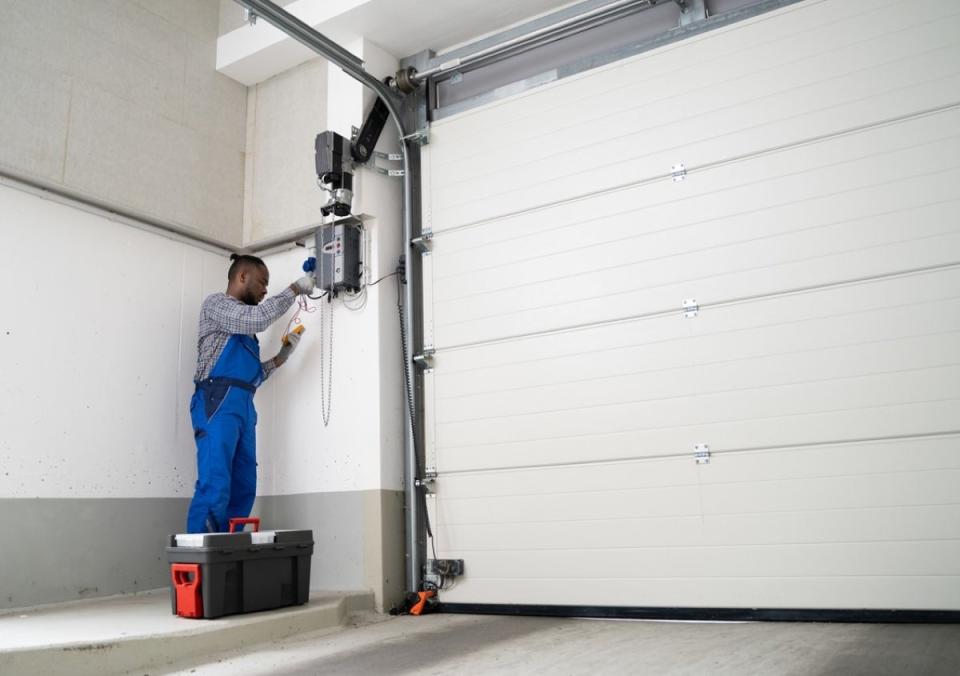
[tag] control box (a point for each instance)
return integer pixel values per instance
(339, 259)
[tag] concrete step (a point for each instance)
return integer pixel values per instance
(128, 633)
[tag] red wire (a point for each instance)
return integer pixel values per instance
(302, 306)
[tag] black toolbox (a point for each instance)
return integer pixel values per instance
(217, 574)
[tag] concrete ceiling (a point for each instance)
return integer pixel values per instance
(401, 27)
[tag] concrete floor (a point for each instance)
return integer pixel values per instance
(134, 634)
(445, 644)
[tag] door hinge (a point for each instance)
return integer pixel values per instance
(690, 307)
(701, 453)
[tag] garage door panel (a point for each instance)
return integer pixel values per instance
(881, 457)
(610, 270)
(934, 417)
(591, 278)
(900, 523)
(722, 211)
(866, 559)
(762, 279)
(880, 592)
(822, 366)
(507, 194)
(670, 228)
(834, 394)
(903, 300)
(652, 79)
(935, 321)
(862, 71)
(804, 193)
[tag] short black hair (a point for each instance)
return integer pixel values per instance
(242, 261)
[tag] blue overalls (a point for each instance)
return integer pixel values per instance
(224, 428)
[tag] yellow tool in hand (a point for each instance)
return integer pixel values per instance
(300, 328)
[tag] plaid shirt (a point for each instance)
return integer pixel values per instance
(222, 316)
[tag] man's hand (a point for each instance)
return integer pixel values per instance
(305, 284)
(290, 342)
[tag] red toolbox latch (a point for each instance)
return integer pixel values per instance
(242, 522)
(186, 580)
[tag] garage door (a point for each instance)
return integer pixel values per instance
(697, 322)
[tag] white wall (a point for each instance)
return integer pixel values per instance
(99, 342)
(297, 454)
(362, 447)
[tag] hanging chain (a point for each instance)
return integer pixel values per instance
(326, 365)
(326, 336)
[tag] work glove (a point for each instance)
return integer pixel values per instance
(290, 342)
(305, 284)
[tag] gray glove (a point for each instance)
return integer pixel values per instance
(290, 342)
(305, 284)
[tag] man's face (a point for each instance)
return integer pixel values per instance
(254, 283)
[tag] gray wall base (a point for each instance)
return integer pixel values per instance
(62, 549)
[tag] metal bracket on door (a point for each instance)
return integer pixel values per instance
(422, 243)
(424, 360)
(701, 453)
(690, 307)
(678, 172)
(421, 137)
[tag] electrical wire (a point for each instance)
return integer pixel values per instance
(360, 304)
(302, 306)
(395, 272)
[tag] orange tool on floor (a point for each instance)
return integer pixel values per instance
(418, 607)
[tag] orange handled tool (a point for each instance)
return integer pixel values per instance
(298, 329)
(421, 603)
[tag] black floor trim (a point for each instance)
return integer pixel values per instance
(710, 614)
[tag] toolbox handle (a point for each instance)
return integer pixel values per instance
(242, 522)
(186, 585)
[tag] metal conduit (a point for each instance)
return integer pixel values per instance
(85, 202)
(353, 66)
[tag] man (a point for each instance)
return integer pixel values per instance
(228, 373)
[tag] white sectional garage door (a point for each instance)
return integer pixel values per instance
(817, 228)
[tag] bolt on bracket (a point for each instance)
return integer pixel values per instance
(421, 137)
(424, 360)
